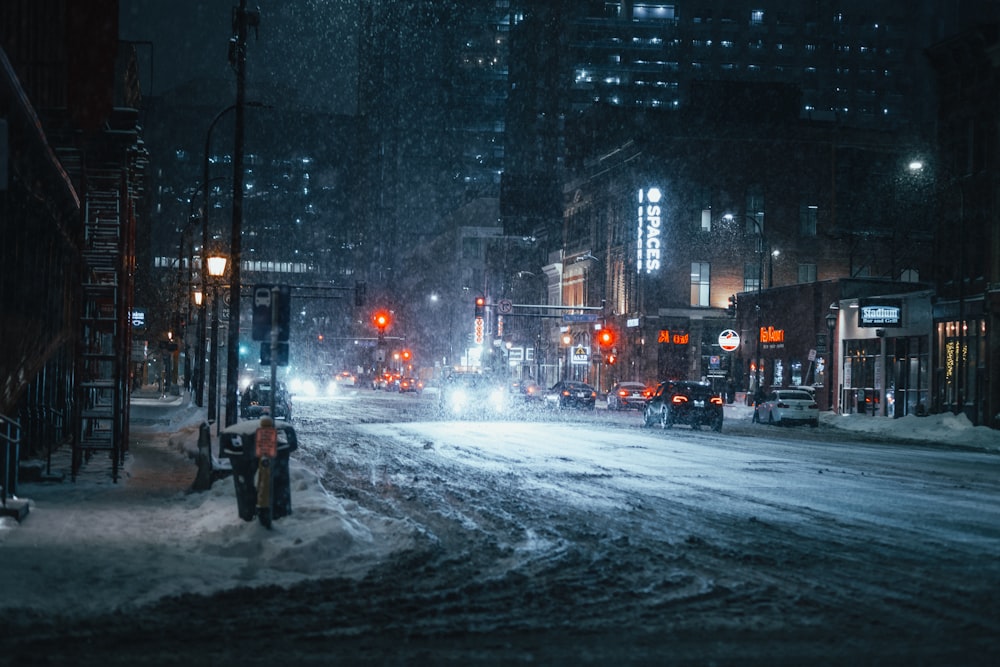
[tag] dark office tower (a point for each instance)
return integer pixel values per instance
(531, 196)
(432, 92)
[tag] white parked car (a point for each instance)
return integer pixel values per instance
(787, 406)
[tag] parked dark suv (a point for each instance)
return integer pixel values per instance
(256, 401)
(684, 402)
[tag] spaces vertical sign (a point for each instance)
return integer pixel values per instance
(649, 227)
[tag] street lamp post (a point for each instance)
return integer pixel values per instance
(831, 324)
(216, 269)
(204, 247)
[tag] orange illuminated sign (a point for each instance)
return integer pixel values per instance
(675, 338)
(772, 335)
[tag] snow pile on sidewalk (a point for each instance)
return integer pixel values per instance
(93, 545)
(943, 429)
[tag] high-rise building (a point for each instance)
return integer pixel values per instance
(432, 92)
(856, 63)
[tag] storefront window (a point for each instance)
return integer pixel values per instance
(961, 350)
(796, 367)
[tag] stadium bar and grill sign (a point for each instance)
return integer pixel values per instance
(880, 314)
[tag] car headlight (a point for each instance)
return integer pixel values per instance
(458, 399)
(304, 387)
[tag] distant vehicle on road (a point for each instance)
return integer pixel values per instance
(256, 400)
(787, 406)
(473, 394)
(345, 379)
(571, 394)
(684, 402)
(628, 396)
(410, 384)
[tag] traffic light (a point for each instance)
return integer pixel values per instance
(381, 320)
(731, 310)
(606, 338)
(611, 358)
(480, 306)
(406, 356)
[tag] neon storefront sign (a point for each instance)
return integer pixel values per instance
(649, 225)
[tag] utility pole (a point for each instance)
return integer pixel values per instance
(242, 19)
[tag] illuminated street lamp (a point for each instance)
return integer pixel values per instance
(216, 269)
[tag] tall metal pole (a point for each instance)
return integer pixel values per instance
(213, 369)
(243, 18)
(199, 393)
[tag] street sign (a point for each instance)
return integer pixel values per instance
(579, 317)
(505, 306)
(581, 355)
(261, 321)
(729, 340)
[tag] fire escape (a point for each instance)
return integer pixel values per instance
(111, 173)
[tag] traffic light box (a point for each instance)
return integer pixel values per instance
(480, 306)
(606, 338)
(381, 320)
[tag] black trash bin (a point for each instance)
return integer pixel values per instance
(237, 443)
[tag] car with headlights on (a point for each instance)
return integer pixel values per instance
(628, 396)
(687, 402)
(571, 394)
(787, 406)
(473, 395)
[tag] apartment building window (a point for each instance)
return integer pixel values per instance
(807, 273)
(704, 209)
(652, 12)
(751, 276)
(756, 17)
(700, 275)
(706, 219)
(909, 276)
(808, 215)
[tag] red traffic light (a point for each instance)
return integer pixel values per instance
(381, 320)
(606, 338)
(406, 355)
(480, 306)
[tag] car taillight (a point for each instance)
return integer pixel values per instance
(781, 404)
(679, 399)
(814, 406)
(565, 392)
(593, 394)
(622, 393)
(716, 400)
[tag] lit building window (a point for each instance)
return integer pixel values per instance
(700, 275)
(808, 215)
(807, 273)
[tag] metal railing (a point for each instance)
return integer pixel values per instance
(10, 445)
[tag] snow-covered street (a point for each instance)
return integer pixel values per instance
(569, 537)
